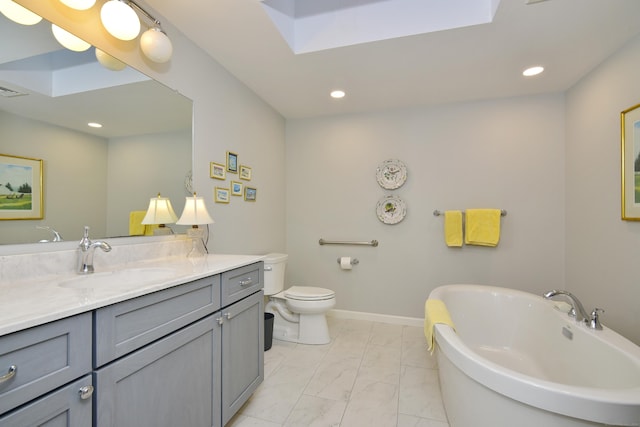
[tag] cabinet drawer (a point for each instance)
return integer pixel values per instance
(63, 407)
(45, 357)
(242, 282)
(124, 327)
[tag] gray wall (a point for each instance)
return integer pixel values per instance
(603, 252)
(506, 154)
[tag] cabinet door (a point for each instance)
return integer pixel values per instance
(69, 406)
(172, 382)
(242, 352)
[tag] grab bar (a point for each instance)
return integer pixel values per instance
(333, 242)
(438, 213)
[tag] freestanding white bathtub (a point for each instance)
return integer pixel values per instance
(517, 360)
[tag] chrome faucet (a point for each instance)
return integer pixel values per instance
(56, 236)
(86, 250)
(577, 310)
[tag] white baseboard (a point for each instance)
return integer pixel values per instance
(374, 317)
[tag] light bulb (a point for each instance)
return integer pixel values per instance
(68, 40)
(79, 4)
(109, 62)
(18, 14)
(120, 20)
(156, 45)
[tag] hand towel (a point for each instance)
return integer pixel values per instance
(453, 228)
(482, 227)
(136, 228)
(434, 312)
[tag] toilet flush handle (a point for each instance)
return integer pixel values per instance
(268, 268)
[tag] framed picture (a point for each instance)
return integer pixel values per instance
(21, 195)
(630, 148)
(245, 172)
(222, 195)
(217, 171)
(236, 188)
(232, 162)
(250, 194)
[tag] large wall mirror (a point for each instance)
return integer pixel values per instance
(94, 177)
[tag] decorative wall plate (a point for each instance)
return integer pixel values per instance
(391, 174)
(391, 209)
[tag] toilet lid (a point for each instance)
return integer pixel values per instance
(308, 293)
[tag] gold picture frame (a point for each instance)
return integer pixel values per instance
(250, 194)
(217, 171)
(21, 189)
(232, 162)
(237, 188)
(630, 162)
(245, 172)
(222, 195)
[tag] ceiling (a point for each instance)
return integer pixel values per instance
(568, 37)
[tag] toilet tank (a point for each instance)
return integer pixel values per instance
(274, 266)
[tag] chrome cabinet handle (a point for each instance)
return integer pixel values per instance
(10, 374)
(246, 282)
(228, 316)
(220, 320)
(85, 392)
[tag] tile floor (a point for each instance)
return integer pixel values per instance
(371, 374)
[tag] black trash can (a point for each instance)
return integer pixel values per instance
(268, 330)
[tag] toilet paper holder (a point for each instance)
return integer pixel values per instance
(354, 261)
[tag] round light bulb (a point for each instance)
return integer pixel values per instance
(79, 4)
(120, 20)
(18, 14)
(156, 45)
(68, 40)
(109, 62)
(533, 71)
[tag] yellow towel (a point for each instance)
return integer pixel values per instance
(453, 228)
(136, 228)
(482, 227)
(434, 312)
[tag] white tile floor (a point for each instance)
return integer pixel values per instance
(371, 374)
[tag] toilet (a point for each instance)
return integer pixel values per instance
(299, 311)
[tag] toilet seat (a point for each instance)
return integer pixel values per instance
(309, 293)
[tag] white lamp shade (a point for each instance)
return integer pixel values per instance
(160, 211)
(18, 14)
(79, 4)
(195, 212)
(156, 45)
(109, 62)
(120, 20)
(68, 40)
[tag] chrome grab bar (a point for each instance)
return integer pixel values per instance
(333, 242)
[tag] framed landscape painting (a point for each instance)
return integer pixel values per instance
(20, 188)
(630, 163)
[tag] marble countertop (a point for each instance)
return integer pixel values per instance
(28, 303)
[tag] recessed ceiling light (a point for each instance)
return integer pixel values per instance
(94, 125)
(533, 71)
(337, 94)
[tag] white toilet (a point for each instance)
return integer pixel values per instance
(299, 312)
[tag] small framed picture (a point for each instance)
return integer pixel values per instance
(232, 162)
(217, 171)
(222, 195)
(250, 194)
(245, 172)
(236, 188)
(21, 194)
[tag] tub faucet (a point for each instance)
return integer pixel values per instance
(577, 310)
(86, 249)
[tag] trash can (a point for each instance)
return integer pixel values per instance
(268, 330)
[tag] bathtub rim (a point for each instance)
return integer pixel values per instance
(556, 397)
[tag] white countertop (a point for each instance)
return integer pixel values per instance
(28, 303)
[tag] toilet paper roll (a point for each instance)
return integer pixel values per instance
(345, 263)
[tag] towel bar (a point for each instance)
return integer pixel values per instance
(438, 213)
(332, 242)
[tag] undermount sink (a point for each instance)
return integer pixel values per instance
(111, 278)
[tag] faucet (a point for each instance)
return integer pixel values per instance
(577, 310)
(86, 250)
(56, 236)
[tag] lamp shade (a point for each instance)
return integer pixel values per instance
(109, 62)
(195, 212)
(120, 20)
(156, 45)
(79, 4)
(68, 40)
(18, 14)
(160, 211)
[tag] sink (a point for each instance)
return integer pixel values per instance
(140, 276)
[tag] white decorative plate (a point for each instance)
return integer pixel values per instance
(391, 174)
(391, 209)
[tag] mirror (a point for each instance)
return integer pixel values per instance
(92, 177)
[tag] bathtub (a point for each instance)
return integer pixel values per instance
(516, 359)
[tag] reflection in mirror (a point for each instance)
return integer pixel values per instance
(91, 176)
